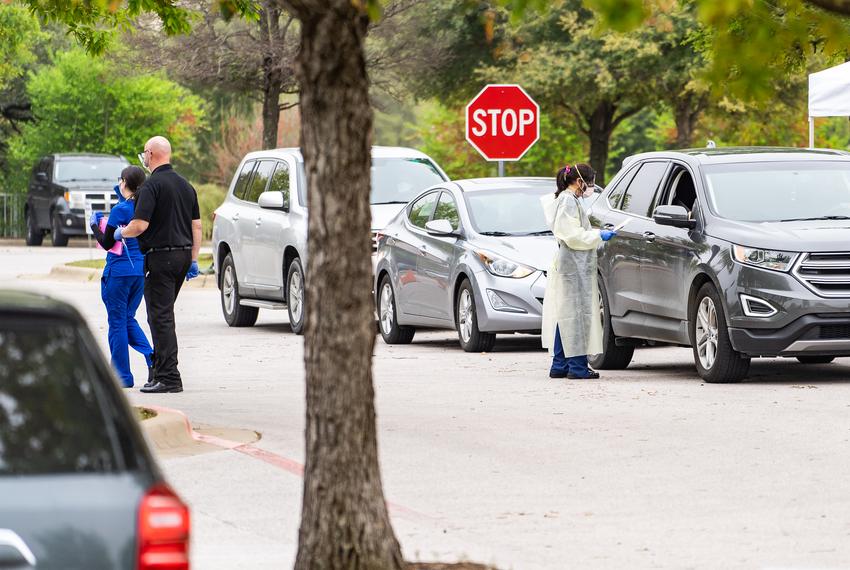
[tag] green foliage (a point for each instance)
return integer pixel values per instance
(442, 131)
(19, 32)
(85, 104)
(210, 197)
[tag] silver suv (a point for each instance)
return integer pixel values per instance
(735, 252)
(260, 231)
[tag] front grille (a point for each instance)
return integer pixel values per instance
(100, 201)
(834, 332)
(827, 274)
(374, 242)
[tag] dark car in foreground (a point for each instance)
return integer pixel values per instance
(78, 486)
(59, 188)
(735, 252)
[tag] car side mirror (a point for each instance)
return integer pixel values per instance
(41, 176)
(440, 228)
(273, 200)
(676, 216)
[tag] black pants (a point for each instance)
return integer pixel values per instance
(165, 272)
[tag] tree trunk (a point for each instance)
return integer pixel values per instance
(686, 111)
(344, 520)
(601, 126)
(272, 74)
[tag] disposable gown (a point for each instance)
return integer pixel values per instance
(571, 301)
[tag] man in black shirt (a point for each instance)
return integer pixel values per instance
(168, 225)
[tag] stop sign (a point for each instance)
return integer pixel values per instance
(502, 122)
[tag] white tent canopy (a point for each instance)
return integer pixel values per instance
(829, 95)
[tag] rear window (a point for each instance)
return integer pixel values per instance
(50, 417)
(399, 180)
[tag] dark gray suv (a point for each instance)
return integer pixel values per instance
(735, 252)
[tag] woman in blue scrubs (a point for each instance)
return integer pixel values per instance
(123, 282)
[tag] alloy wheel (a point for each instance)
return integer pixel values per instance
(228, 289)
(386, 309)
(296, 296)
(706, 333)
(464, 314)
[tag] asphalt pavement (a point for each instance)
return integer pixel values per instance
(485, 458)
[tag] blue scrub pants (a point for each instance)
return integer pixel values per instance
(122, 296)
(575, 365)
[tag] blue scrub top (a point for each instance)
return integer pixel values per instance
(124, 265)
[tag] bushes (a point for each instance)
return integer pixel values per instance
(210, 197)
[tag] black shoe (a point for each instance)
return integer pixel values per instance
(160, 388)
(151, 378)
(591, 375)
(557, 374)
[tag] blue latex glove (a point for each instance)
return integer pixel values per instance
(95, 218)
(193, 271)
(607, 234)
(117, 235)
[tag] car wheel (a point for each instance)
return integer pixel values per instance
(235, 314)
(466, 317)
(57, 236)
(391, 331)
(716, 360)
(815, 359)
(34, 235)
(613, 357)
(295, 296)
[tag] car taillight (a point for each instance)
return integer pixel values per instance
(163, 531)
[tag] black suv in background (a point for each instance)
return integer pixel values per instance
(59, 188)
(78, 486)
(735, 252)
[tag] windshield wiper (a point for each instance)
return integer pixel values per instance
(390, 202)
(817, 218)
(541, 233)
(495, 234)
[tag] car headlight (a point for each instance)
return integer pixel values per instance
(764, 258)
(503, 267)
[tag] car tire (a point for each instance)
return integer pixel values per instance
(471, 338)
(716, 361)
(235, 314)
(34, 235)
(613, 357)
(388, 326)
(57, 236)
(295, 296)
(815, 359)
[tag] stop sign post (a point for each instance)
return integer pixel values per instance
(502, 123)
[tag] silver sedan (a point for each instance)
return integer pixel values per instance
(469, 255)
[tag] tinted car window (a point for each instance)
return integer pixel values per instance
(241, 188)
(280, 181)
(421, 210)
(50, 417)
(260, 180)
(88, 169)
(617, 192)
(399, 180)
(447, 210)
(642, 188)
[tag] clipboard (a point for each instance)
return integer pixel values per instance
(620, 226)
(118, 248)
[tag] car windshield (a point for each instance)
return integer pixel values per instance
(87, 170)
(503, 212)
(779, 191)
(399, 180)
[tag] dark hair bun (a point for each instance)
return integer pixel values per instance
(133, 177)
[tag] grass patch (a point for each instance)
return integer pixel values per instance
(144, 413)
(204, 260)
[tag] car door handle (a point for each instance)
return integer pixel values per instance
(235, 217)
(258, 222)
(608, 227)
(649, 236)
(423, 249)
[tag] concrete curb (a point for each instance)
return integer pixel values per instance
(65, 272)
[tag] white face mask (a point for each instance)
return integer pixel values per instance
(588, 191)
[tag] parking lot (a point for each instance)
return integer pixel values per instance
(486, 458)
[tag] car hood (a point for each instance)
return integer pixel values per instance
(808, 236)
(382, 214)
(534, 251)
